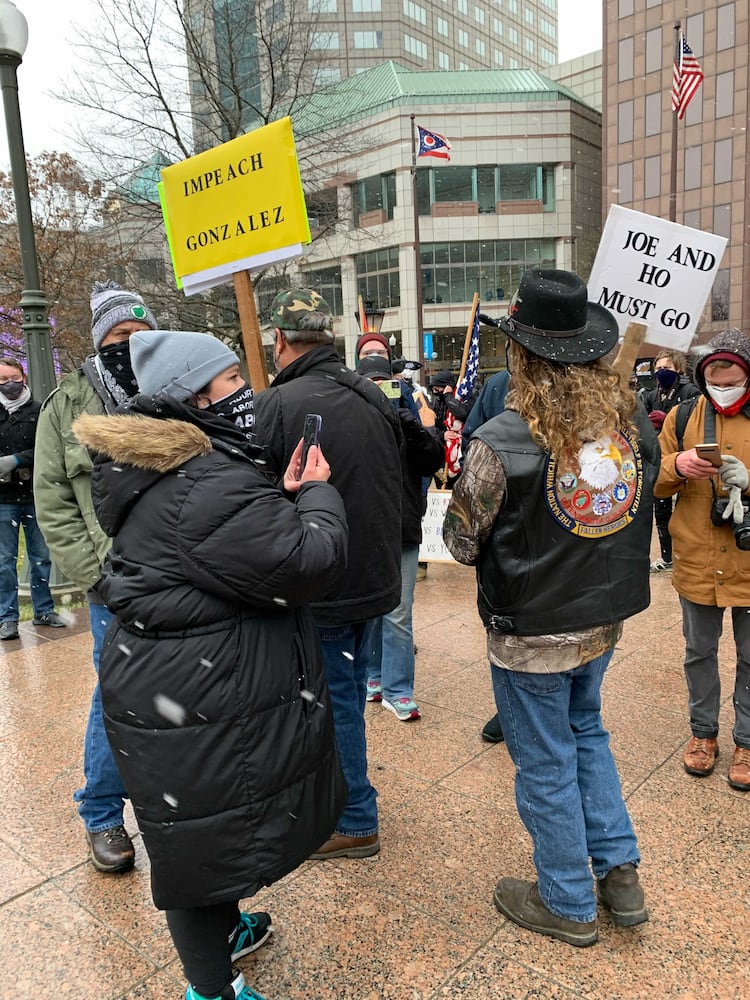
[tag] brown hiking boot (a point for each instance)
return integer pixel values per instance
(339, 846)
(622, 895)
(739, 769)
(700, 756)
(520, 902)
(111, 850)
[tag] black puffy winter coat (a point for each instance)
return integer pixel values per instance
(17, 434)
(214, 698)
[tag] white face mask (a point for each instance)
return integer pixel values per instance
(725, 397)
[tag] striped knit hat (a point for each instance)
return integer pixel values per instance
(111, 305)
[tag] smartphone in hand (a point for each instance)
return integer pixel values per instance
(709, 452)
(310, 436)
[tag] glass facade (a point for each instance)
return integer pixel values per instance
(378, 278)
(373, 193)
(453, 272)
(486, 185)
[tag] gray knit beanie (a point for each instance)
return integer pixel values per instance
(176, 362)
(111, 305)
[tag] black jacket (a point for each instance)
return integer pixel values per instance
(214, 698)
(655, 399)
(17, 433)
(360, 438)
(539, 573)
(422, 454)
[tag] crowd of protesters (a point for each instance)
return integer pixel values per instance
(250, 588)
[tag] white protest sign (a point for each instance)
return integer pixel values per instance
(433, 548)
(648, 270)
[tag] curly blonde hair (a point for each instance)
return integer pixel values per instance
(567, 405)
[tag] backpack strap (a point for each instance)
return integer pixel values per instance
(684, 408)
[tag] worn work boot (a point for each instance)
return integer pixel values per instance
(339, 846)
(520, 902)
(739, 770)
(493, 731)
(700, 756)
(111, 850)
(9, 630)
(621, 893)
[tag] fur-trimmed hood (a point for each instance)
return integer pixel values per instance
(144, 442)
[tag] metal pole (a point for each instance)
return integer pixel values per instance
(673, 160)
(417, 249)
(34, 305)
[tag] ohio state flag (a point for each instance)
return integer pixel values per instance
(432, 144)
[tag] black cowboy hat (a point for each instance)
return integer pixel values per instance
(550, 316)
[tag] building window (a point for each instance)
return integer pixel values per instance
(625, 121)
(322, 6)
(722, 220)
(415, 47)
(373, 193)
(694, 33)
(513, 37)
(497, 25)
(453, 184)
(652, 177)
(378, 277)
(513, 6)
(463, 38)
(625, 8)
(452, 272)
(463, 6)
(326, 75)
(322, 208)
(692, 219)
(415, 12)
(720, 297)
(693, 163)
(481, 47)
(725, 27)
(442, 27)
(653, 114)
(528, 44)
(653, 51)
(624, 184)
(547, 55)
(513, 62)
(528, 15)
(366, 6)
(723, 161)
(368, 39)
(324, 40)
(443, 60)
(499, 58)
(486, 185)
(625, 59)
(327, 281)
(479, 15)
(724, 94)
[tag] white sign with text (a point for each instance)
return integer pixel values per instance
(648, 270)
(433, 548)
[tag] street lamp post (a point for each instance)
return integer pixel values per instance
(14, 34)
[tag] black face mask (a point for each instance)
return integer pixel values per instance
(116, 360)
(237, 407)
(666, 378)
(12, 390)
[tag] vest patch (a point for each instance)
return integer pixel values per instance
(600, 493)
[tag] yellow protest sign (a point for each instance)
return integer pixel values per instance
(236, 201)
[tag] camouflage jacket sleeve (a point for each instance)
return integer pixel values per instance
(477, 499)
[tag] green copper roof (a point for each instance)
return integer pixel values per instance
(140, 186)
(391, 85)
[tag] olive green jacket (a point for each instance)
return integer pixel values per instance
(62, 483)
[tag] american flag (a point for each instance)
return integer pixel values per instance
(686, 78)
(464, 390)
(433, 144)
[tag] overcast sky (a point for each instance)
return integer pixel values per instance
(50, 55)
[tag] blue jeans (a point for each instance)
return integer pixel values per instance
(395, 668)
(13, 516)
(347, 653)
(567, 786)
(101, 798)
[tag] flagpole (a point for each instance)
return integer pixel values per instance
(673, 162)
(417, 248)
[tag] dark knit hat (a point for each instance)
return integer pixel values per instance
(177, 363)
(729, 345)
(366, 337)
(443, 378)
(374, 367)
(111, 305)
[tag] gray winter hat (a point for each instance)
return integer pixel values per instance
(111, 305)
(176, 362)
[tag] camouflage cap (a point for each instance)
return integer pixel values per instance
(288, 308)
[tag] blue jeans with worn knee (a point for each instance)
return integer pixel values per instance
(394, 670)
(347, 653)
(13, 517)
(567, 786)
(100, 801)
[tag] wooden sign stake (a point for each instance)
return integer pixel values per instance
(629, 350)
(250, 329)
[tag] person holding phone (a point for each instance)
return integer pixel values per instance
(710, 530)
(361, 436)
(212, 685)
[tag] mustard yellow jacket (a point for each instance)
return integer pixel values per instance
(708, 567)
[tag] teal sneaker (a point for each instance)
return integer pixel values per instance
(253, 930)
(236, 990)
(374, 691)
(405, 709)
